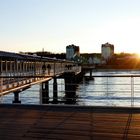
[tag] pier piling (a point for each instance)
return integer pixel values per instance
(16, 97)
(55, 96)
(45, 92)
(70, 87)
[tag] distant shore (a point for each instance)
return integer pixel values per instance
(117, 68)
(111, 70)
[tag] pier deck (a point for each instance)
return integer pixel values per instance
(19, 122)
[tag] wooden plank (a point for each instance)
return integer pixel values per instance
(48, 123)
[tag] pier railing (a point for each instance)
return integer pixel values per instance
(11, 79)
(112, 90)
(98, 90)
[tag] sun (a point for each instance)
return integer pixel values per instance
(138, 55)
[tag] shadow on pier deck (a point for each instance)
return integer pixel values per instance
(19, 122)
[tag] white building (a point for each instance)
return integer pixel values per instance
(72, 51)
(107, 51)
(90, 60)
(94, 60)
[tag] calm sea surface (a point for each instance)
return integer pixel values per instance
(102, 91)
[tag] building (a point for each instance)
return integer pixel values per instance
(107, 51)
(72, 51)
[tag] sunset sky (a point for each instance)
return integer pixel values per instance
(30, 25)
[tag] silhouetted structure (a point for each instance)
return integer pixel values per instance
(107, 51)
(72, 51)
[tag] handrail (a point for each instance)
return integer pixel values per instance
(107, 85)
(130, 85)
(115, 75)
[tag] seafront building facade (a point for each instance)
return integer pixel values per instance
(72, 51)
(107, 51)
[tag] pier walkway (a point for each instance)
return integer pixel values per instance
(20, 71)
(20, 122)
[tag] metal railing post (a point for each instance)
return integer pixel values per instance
(132, 91)
(107, 86)
(54, 69)
(1, 79)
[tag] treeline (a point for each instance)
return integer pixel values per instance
(49, 54)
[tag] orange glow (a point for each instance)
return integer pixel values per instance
(138, 55)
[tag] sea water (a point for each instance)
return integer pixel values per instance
(100, 91)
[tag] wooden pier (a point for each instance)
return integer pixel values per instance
(19, 72)
(50, 122)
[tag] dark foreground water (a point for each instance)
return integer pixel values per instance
(102, 91)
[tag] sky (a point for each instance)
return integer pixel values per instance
(34, 25)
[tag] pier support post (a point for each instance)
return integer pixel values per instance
(70, 87)
(16, 97)
(45, 92)
(55, 96)
(90, 73)
(90, 77)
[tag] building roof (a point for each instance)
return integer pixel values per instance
(108, 45)
(72, 46)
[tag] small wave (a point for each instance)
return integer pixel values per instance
(108, 98)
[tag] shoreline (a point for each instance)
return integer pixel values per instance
(113, 70)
